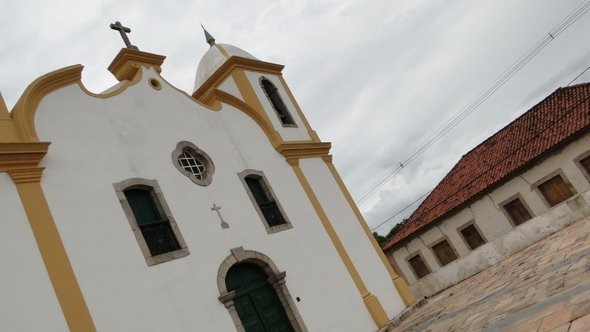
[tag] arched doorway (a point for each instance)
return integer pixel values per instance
(256, 302)
(255, 267)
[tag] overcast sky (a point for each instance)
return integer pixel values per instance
(375, 78)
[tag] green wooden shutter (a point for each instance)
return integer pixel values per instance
(143, 206)
(155, 229)
(257, 304)
(257, 190)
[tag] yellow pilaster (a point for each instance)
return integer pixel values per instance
(20, 154)
(52, 251)
(399, 282)
(371, 301)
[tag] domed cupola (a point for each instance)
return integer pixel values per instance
(215, 57)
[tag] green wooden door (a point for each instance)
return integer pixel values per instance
(256, 302)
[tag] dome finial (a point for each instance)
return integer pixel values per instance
(208, 38)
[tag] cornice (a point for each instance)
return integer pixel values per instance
(293, 151)
(228, 66)
(24, 175)
(128, 62)
(21, 155)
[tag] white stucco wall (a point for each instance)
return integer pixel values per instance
(27, 298)
(229, 86)
(353, 237)
(502, 236)
(97, 142)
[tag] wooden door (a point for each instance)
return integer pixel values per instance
(256, 301)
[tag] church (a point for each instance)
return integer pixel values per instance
(148, 208)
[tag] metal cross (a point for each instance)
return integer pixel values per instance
(216, 208)
(123, 31)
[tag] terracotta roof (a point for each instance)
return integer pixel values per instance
(550, 124)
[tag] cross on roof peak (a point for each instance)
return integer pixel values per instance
(124, 31)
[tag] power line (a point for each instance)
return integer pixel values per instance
(582, 73)
(564, 24)
(400, 211)
(465, 185)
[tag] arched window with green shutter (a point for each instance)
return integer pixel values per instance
(265, 201)
(154, 227)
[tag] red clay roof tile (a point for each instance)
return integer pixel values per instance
(553, 122)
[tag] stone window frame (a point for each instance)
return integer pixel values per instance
(559, 171)
(439, 240)
(289, 115)
(579, 164)
(269, 191)
(276, 280)
(467, 224)
(194, 150)
(412, 255)
(164, 210)
(519, 196)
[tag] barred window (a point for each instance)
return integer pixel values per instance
(151, 220)
(193, 163)
(265, 201)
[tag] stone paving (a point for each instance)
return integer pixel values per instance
(545, 287)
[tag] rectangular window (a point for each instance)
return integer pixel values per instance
(586, 164)
(156, 230)
(418, 266)
(517, 211)
(151, 220)
(444, 252)
(555, 190)
(472, 237)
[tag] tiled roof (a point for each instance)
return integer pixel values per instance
(548, 125)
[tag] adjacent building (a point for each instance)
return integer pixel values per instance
(525, 182)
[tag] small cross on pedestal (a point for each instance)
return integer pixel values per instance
(216, 208)
(124, 31)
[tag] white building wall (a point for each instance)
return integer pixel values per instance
(229, 86)
(97, 142)
(27, 298)
(503, 238)
(350, 232)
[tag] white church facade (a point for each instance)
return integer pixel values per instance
(146, 208)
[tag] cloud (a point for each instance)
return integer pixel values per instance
(376, 79)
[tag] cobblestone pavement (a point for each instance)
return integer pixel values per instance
(545, 287)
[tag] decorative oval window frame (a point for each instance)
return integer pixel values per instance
(183, 146)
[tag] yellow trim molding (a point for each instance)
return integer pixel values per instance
(128, 63)
(20, 154)
(235, 62)
(314, 136)
(57, 263)
(371, 301)
(399, 282)
(16, 155)
(23, 113)
(262, 121)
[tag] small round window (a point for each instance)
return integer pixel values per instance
(193, 163)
